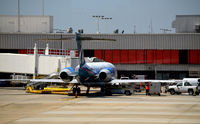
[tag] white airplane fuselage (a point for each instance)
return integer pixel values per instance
(95, 73)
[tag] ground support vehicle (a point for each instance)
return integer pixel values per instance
(154, 88)
(43, 88)
(121, 89)
(183, 87)
(49, 90)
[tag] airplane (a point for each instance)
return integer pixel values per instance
(92, 74)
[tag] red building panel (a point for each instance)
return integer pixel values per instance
(140, 57)
(52, 52)
(116, 56)
(124, 56)
(193, 57)
(174, 57)
(40, 51)
(166, 56)
(23, 51)
(150, 57)
(76, 53)
(108, 56)
(199, 56)
(99, 54)
(158, 56)
(132, 56)
(20, 52)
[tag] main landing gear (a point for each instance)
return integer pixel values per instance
(77, 90)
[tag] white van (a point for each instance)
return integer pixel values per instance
(192, 81)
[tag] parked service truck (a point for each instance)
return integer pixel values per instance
(183, 87)
(192, 81)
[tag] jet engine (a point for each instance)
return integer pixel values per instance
(105, 75)
(67, 74)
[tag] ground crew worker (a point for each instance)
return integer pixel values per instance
(147, 89)
(194, 92)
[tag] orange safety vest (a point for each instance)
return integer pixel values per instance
(147, 87)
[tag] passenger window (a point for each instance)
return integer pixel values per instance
(187, 84)
(180, 84)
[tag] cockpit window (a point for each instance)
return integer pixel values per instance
(97, 60)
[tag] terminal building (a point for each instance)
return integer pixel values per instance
(157, 56)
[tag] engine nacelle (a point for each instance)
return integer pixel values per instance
(67, 74)
(105, 75)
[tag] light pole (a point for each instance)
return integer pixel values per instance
(106, 18)
(42, 7)
(97, 17)
(18, 15)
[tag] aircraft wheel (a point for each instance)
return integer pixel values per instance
(74, 91)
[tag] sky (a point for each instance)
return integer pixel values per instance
(139, 16)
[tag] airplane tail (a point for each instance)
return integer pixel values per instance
(80, 50)
(79, 40)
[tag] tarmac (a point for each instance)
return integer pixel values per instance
(18, 107)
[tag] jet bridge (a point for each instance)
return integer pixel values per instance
(26, 64)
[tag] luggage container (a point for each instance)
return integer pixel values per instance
(154, 88)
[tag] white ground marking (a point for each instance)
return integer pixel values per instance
(150, 120)
(121, 113)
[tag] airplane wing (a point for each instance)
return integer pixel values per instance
(136, 81)
(22, 81)
(74, 81)
(47, 80)
(25, 81)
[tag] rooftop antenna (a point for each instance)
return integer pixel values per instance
(134, 28)
(150, 27)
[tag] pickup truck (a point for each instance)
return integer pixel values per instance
(183, 87)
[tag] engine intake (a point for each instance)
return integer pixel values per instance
(105, 75)
(66, 74)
